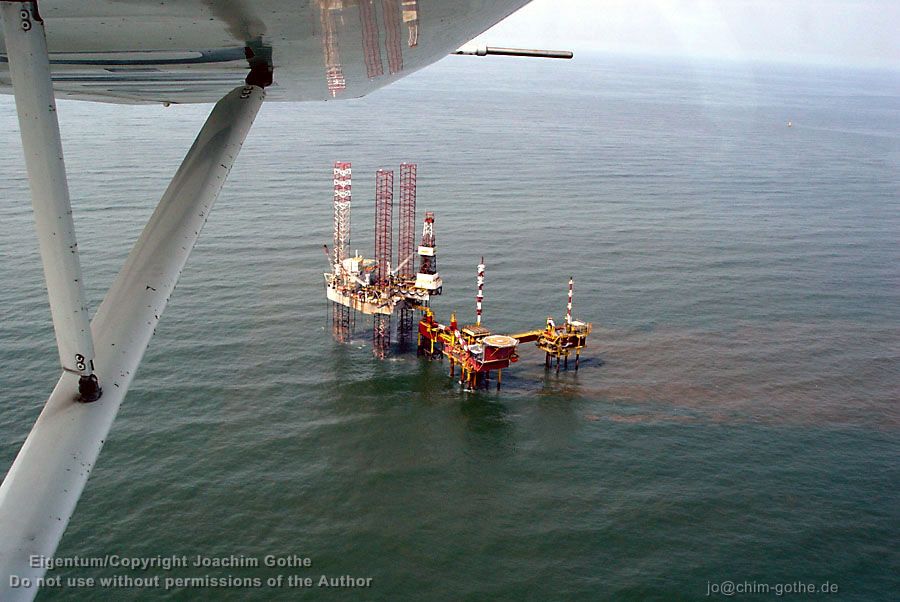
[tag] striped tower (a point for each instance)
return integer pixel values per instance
(479, 297)
(342, 196)
(569, 304)
(341, 314)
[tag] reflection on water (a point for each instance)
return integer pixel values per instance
(484, 416)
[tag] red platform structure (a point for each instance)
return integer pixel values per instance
(477, 352)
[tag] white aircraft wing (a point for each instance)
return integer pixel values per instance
(152, 51)
(231, 52)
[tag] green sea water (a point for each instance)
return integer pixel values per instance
(735, 417)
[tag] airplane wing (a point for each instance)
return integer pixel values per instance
(143, 51)
(232, 52)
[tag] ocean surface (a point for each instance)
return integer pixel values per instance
(735, 417)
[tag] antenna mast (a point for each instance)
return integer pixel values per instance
(479, 297)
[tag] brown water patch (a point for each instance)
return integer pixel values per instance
(828, 373)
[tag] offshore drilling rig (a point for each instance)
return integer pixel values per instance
(375, 286)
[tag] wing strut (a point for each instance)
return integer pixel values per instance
(29, 67)
(42, 487)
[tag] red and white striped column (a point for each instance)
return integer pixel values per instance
(569, 304)
(479, 297)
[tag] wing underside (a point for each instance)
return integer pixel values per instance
(142, 51)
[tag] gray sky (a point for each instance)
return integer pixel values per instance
(845, 32)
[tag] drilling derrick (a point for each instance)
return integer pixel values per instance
(342, 184)
(406, 244)
(384, 206)
(384, 202)
(342, 196)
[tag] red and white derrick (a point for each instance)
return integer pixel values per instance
(342, 197)
(406, 265)
(384, 204)
(341, 244)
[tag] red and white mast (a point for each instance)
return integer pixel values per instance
(479, 296)
(569, 305)
(341, 214)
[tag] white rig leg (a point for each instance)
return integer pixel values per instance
(42, 487)
(29, 67)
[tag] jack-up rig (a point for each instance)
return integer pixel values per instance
(371, 286)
